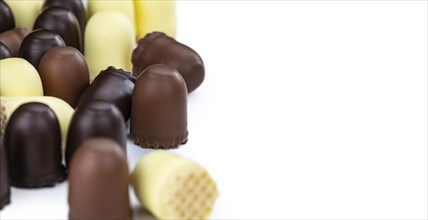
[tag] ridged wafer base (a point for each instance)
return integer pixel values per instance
(189, 194)
(158, 143)
(45, 181)
(173, 187)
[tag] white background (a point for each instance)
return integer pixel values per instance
(312, 109)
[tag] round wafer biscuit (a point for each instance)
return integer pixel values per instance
(173, 187)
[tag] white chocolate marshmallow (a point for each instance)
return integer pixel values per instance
(155, 16)
(25, 12)
(109, 41)
(19, 78)
(173, 187)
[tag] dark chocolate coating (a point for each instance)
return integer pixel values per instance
(63, 22)
(4, 178)
(158, 48)
(13, 39)
(159, 108)
(96, 118)
(7, 21)
(4, 51)
(98, 181)
(33, 144)
(37, 43)
(76, 6)
(113, 85)
(64, 74)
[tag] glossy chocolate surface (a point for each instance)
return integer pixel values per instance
(159, 108)
(37, 43)
(96, 118)
(7, 21)
(33, 144)
(13, 39)
(4, 51)
(98, 181)
(4, 178)
(64, 74)
(76, 6)
(113, 85)
(63, 22)
(158, 48)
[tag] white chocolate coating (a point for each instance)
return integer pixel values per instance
(62, 110)
(124, 6)
(19, 78)
(109, 41)
(155, 16)
(25, 12)
(173, 187)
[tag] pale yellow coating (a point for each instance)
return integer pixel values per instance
(173, 187)
(62, 110)
(124, 6)
(19, 78)
(25, 12)
(109, 41)
(155, 16)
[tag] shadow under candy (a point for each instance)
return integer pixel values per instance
(140, 213)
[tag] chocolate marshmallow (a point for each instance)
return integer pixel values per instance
(4, 51)
(4, 177)
(96, 118)
(76, 6)
(64, 74)
(13, 39)
(158, 48)
(159, 108)
(113, 85)
(63, 22)
(7, 21)
(62, 110)
(33, 143)
(37, 43)
(98, 181)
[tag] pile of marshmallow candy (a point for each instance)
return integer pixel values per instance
(78, 78)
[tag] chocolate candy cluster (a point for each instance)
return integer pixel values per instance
(71, 78)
